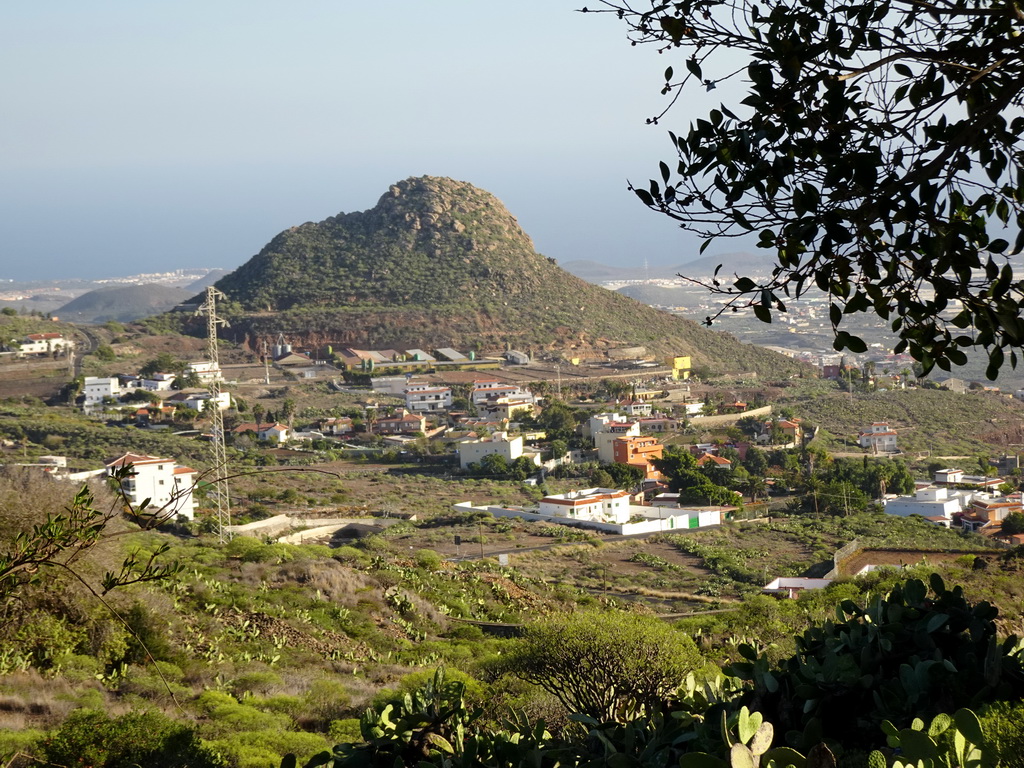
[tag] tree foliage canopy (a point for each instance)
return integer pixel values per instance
(875, 152)
(605, 664)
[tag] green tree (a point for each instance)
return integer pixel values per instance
(557, 449)
(288, 410)
(624, 476)
(165, 362)
(105, 353)
(1013, 523)
(693, 486)
(558, 421)
(494, 464)
(605, 665)
(872, 148)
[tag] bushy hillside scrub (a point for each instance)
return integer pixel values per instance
(927, 420)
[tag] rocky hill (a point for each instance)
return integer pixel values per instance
(439, 262)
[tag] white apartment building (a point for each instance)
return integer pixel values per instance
(427, 398)
(99, 388)
(167, 486)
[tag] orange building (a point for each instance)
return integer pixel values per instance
(638, 452)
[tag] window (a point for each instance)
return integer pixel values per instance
(160, 482)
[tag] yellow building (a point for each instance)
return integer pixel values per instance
(680, 367)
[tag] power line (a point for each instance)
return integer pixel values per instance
(221, 495)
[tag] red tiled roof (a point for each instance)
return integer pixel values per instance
(135, 458)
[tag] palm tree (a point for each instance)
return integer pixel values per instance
(756, 488)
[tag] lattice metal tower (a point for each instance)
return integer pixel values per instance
(220, 495)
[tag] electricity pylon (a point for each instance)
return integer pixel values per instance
(221, 497)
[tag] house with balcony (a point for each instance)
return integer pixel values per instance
(403, 423)
(167, 485)
(600, 505)
(640, 452)
(605, 431)
(427, 398)
(485, 390)
(878, 438)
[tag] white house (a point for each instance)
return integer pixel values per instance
(637, 408)
(693, 407)
(204, 370)
(879, 437)
(602, 505)
(265, 431)
(427, 398)
(488, 389)
(937, 504)
(99, 388)
(43, 343)
(167, 486)
(949, 476)
(607, 510)
(199, 401)
(472, 451)
(158, 382)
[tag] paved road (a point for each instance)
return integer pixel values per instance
(80, 354)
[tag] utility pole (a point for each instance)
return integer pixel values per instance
(221, 496)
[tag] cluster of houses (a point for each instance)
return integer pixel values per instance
(368, 360)
(957, 500)
(100, 390)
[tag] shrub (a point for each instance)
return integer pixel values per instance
(326, 701)
(91, 739)
(227, 715)
(345, 731)
(260, 682)
(428, 560)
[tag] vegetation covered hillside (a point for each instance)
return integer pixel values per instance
(439, 262)
(123, 303)
(933, 420)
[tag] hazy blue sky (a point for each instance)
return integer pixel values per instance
(143, 136)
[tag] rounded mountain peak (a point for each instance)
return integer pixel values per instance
(440, 205)
(428, 241)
